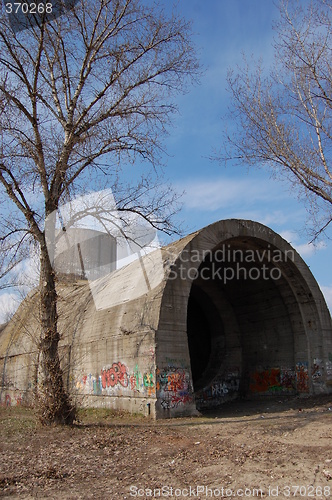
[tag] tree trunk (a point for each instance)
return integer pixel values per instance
(53, 400)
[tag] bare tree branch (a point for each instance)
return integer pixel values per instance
(284, 120)
(84, 95)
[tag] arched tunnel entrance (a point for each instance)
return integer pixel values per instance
(241, 315)
(245, 330)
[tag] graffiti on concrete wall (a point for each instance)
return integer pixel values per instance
(302, 377)
(18, 400)
(285, 379)
(317, 371)
(265, 380)
(117, 379)
(142, 382)
(89, 384)
(230, 384)
(10, 394)
(174, 387)
(8, 400)
(117, 374)
(288, 379)
(223, 388)
(135, 379)
(148, 383)
(328, 367)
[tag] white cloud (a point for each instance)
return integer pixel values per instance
(9, 302)
(289, 236)
(304, 249)
(309, 249)
(226, 192)
(26, 278)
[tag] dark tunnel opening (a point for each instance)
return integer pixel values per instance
(242, 332)
(205, 336)
(199, 339)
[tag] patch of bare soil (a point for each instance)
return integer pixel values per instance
(266, 449)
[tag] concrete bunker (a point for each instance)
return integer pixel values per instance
(227, 311)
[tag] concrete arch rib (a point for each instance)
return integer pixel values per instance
(240, 313)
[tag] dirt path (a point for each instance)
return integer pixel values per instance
(269, 449)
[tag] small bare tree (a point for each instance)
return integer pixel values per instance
(79, 97)
(283, 119)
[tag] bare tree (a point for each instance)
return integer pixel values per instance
(79, 97)
(282, 119)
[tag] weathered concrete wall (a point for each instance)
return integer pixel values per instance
(253, 322)
(233, 310)
(108, 355)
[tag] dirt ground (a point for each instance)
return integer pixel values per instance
(266, 449)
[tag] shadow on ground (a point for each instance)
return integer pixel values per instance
(265, 406)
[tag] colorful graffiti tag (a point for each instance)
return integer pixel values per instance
(265, 380)
(117, 374)
(302, 377)
(9, 400)
(115, 378)
(230, 384)
(282, 379)
(148, 383)
(174, 387)
(174, 384)
(285, 379)
(89, 384)
(135, 380)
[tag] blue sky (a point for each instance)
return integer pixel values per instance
(224, 30)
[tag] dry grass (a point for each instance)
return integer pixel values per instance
(247, 444)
